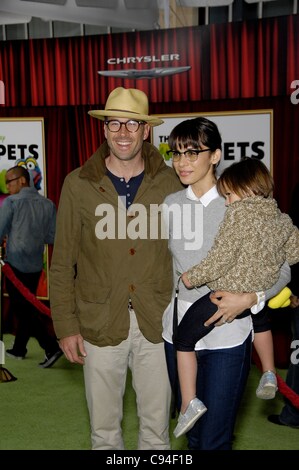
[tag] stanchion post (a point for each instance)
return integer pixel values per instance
(5, 375)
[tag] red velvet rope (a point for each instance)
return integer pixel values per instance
(286, 391)
(283, 388)
(25, 291)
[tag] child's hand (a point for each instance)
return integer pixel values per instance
(294, 301)
(185, 281)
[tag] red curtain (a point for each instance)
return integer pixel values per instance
(228, 61)
(234, 66)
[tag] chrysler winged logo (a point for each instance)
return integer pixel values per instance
(146, 73)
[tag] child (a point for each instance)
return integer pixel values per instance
(252, 243)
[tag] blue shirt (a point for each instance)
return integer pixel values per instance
(127, 189)
(28, 220)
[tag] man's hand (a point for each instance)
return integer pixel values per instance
(73, 348)
(229, 306)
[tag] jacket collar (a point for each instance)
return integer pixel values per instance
(94, 168)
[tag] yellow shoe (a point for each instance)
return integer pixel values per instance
(282, 299)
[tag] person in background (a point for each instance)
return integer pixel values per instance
(27, 222)
(224, 355)
(111, 274)
(289, 415)
(237, 262)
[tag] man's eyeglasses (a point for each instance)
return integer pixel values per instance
(131, 126)
(190, 154)
(12, 179)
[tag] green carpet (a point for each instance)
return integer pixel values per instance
(45, 409)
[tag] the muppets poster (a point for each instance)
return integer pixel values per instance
(22, 143)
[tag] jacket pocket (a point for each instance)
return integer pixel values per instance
(93, 309)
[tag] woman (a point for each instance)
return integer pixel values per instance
(224, 355)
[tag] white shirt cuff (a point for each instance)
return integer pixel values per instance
(261, 302)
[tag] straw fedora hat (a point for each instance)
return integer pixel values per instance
(128, 103)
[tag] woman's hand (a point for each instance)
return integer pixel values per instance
(230, 306)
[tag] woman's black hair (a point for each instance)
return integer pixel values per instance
(196, 132)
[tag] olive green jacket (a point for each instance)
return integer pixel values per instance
(96, 267)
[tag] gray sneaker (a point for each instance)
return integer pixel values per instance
(268, 386)
(186, 421)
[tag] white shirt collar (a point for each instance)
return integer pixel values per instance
(205, 200)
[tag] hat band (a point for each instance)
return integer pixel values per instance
(122, 111)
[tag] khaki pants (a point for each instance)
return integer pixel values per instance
(105, 373)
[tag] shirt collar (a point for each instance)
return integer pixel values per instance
(208, 197)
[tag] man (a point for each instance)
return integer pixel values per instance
(27, 220)
(111, 273)
(289, 415)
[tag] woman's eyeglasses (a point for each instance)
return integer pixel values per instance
(190, 154)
